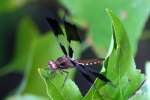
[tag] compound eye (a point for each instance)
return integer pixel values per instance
(63, 64)
(52, 65)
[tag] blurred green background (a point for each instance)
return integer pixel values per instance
(26, 42)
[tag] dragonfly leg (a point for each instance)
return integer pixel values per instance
(66, 77)
(52, 75)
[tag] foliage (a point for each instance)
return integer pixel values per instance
(33, 50)
(91, 13)
(144, 92)
(120, 69)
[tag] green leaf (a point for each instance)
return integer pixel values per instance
(26, 34)
(144, 92)
(26, 97)
(120, 68)
(43, 49)
(11, 5)
(5, 29)
(52, 91)
(55, 90)
(91, 14)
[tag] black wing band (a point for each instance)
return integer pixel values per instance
(96, 74)
(100, 76)
(63, 49)
(70, 51)
(82, 71)
(54, 24)
(72, 34)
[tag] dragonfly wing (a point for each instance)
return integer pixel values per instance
(70, 51)
(100, 76)
(55, 25)
(82, 71)
(91, 71)
(72, 34)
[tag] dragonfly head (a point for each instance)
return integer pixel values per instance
(52, 65)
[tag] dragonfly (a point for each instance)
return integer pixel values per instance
(67, 61)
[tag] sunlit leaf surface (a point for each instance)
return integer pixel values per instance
(144, 92)
(56, 91)
(26, 97)
(120, 69)
(91, 13)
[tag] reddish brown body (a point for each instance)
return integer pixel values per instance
(65, 63)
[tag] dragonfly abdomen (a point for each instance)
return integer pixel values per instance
(90, 62)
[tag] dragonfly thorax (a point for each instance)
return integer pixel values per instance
(63, 62)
